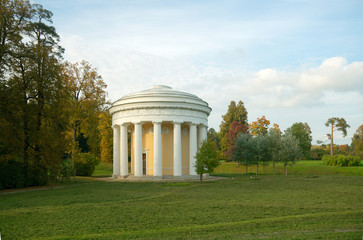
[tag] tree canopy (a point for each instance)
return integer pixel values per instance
(302, 132)
(357, 142)
(42, 98)
(235, 113)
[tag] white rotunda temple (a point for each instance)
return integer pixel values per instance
(166, 128)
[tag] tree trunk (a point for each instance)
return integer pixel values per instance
(73, 151)
(246, 168)
(331, 140)
(257, 169)
(285, 170)
(201, 177)
(26, 138)
(273, 168)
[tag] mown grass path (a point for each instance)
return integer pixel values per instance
(280, 207)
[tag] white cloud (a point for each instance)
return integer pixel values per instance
(310, 94)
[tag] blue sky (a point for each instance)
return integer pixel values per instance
(292, 61)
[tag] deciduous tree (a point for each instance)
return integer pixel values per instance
(357, 142)
(207, 158)
(235, 113)
(33, 116)
(289, 151)
(302, 132)
(106, 144)
(243, 150)
(88, 101)
(236, 128)
(213, 136)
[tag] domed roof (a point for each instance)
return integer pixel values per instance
(160, 91)
(160, 103)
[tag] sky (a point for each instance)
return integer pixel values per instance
(289, 60)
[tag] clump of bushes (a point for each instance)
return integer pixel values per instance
(85, 163)
(341, 160)
(15, 174)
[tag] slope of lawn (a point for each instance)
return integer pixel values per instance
(267, 207)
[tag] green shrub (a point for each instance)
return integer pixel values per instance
(66, 171)
(85, 164)
(317, 153)
(14, 174)
(341, 160)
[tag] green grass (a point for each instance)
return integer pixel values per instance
(307, 167)
(274, 207)
(103, 170)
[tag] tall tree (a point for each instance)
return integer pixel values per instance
(336, 124)
(34, 120)
(357, 142)
(89, 100)
(14, 18)
(235, 113)
(106, 144)
(302, 132)
(236, 128)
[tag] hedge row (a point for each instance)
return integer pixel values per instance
(341, 160)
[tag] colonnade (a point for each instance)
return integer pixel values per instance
(197, 134)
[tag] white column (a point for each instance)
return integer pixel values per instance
(138, 149)
(116, 151)
(124, 155)
(192, 148)
(158, 170)
(177, 166)
(202, 132)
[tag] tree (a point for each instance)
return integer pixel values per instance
(261, 151)
(88, 101)
(357, 142)
(275, 147)
(213, 136)
(235, 113)
(235, 129)
(336, 124)
(14, 18)
(302, 132)
(289, 151)
(260, 126)
(33, 116)
(243, 150)
(207, 158)
(106, 144)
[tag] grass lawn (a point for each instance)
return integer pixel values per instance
(280, 207)
(103, 170)
(307, 167)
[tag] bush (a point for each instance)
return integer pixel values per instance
(317, 153)
(341, 160)
(85, 164)
(66, 171)
(11, 175)
(14, 174)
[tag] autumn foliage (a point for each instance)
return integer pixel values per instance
(235, 129)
